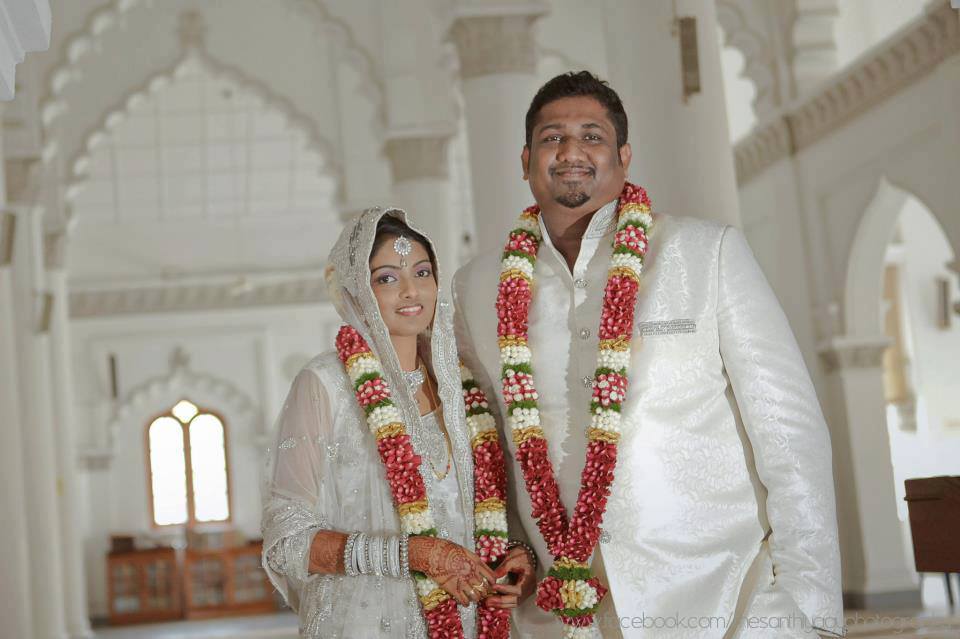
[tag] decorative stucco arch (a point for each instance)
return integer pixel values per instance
(181, 382)
(86, 40)
(193, 48)
(760, 62)
(862, 283)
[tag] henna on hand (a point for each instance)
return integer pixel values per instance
(455, 569)
(326, 553)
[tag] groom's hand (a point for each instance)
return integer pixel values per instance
(519, 566)
(505, 596)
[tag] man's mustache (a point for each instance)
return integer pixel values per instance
(575, 167)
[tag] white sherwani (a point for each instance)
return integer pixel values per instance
(722, 519)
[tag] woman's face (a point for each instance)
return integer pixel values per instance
(406, 294)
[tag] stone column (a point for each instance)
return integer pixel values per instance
(876, 572)
(41, 476)
(421, 186)
(61, 365)
(497, 68)
(14, 549)
(681, 147)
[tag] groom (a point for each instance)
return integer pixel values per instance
(720, 520)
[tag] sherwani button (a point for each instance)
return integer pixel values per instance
(584, 333)
(580, 283)
(587, 382)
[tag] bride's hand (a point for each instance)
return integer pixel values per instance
(458, 571)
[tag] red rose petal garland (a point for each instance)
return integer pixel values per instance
(409, 492)
(489, 496)
(569, 590)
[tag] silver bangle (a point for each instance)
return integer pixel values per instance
(348, 566)
(360, 553)
(357, 551)
(395, 556)
(405, 556)
(376, 555)
(381, 555)
(369, 555)
(384, 556)
(388, 556)
(367, 564)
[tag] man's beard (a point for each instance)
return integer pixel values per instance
(572, 199)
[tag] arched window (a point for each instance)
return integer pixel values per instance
(188, 466)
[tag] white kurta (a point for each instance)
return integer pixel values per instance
(723, 504)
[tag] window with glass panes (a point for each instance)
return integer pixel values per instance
(187, 455)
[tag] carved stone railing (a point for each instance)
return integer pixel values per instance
(202, 294)
(888, 68)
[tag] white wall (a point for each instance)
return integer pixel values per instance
(253, 353)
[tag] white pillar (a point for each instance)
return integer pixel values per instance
(876, 571)
(61, 365)
(681, 149)
(41, 476)
(497, 66)
(15, 609)
(421, 186)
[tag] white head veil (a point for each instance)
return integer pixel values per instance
(348, 282)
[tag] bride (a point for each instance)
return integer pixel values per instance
(384, 503)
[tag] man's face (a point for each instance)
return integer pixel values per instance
(573, 162)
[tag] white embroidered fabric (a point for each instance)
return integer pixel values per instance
(447, 490)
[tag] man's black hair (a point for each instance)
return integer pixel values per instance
(574, 84)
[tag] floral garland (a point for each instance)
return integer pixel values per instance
(569, 590)
(409, 492)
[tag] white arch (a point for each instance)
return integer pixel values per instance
(111, 117)
(160, 393)
(86, 39)
(759, 60)
(863, 282)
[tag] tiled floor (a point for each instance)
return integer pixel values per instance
(279, 626)
(861, 625)
(894, 625)
(936, 621)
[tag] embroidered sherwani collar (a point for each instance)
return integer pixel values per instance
(602, 224)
